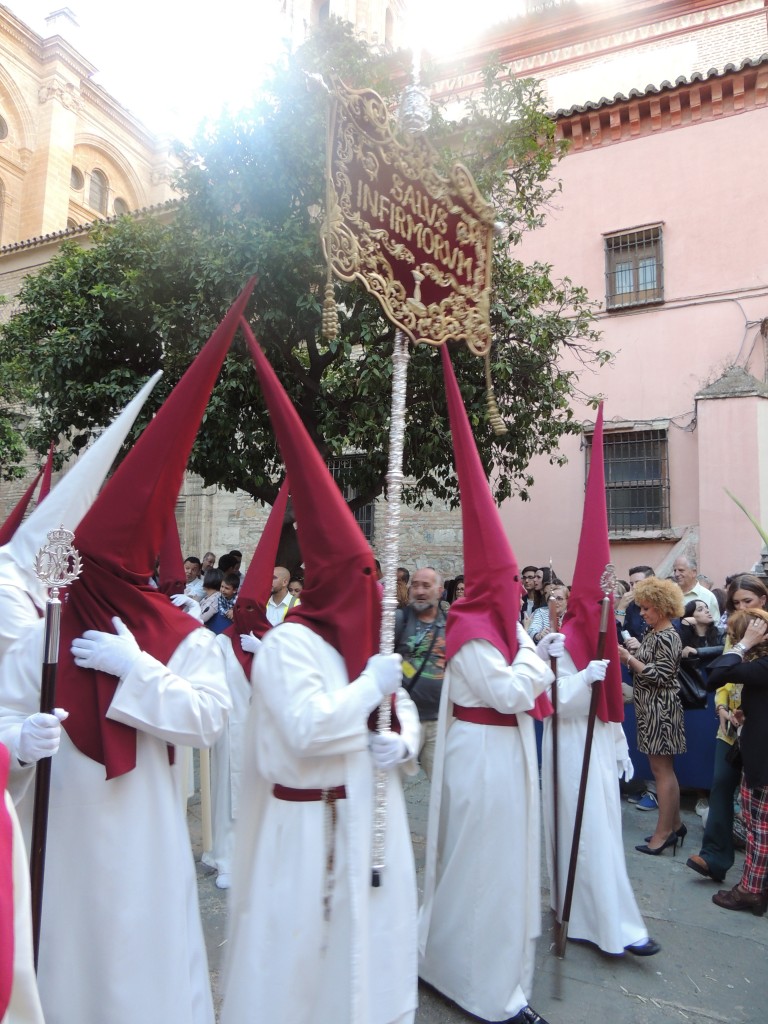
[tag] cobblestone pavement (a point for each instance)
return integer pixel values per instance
(712, 968)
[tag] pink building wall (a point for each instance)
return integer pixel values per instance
(706, 184)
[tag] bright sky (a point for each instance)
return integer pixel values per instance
(170, 62)
(174, 62)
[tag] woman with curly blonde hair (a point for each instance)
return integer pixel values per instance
(747, 663)
(660, 727)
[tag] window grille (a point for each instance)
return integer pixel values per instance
(636, 480)
(341, 470)
(634, 268)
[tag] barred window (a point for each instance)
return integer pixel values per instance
(634, 268)
(341, 470)
(636, 480)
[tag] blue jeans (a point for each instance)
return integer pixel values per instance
(717, 846)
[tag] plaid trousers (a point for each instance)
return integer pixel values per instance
(754, 810)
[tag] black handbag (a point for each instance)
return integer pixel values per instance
(691, 689)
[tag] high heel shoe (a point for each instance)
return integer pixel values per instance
(681, 833)
(671, 840)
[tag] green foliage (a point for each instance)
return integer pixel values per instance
(95, 322)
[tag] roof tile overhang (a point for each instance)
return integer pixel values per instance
(705, 96)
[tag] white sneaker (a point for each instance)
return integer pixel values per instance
(702, 805)
(223, 881)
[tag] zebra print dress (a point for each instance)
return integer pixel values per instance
(660, 726)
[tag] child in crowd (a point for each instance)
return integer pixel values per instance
(209, 603)
(219, 612)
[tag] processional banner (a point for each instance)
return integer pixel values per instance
(420, 242)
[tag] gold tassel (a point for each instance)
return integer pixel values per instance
(498, 424)
(330, 313)
(330, 321)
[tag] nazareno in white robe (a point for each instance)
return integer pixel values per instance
(227, 763)
(481, 909)
(307, 729)
(603, 910)
(121, 938)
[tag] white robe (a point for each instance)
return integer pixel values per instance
(307, 729)
(121, 938)
(603, 908)
(481, 910)
(227, 763)
(24, 1006)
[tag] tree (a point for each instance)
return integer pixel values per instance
(96, 321)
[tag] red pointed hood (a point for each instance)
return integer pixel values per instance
(340, 600)
(119, 540)
(171, 576)
(250, 610)
(45, 486)
(16, 516)
(581, 624)
(492, 588)
(15, 519)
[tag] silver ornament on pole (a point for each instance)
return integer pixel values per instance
(400, 359)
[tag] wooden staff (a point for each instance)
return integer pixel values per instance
(553, 625)
(57, 565)
(607, 585)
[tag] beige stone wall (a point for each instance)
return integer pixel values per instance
(56, 118)
(211, 520)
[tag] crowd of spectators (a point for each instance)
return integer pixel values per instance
(661, 624)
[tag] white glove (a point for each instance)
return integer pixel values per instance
(40, 736)
(626, 769)
(188, 605)
(106, 652)
(595, 671)
(522, 637)
(387, 672)
(249, 642)
(387, 749)
(551, 646)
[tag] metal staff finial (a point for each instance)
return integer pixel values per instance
(57, 564)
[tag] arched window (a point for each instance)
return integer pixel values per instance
(97, 194)
(320, 12)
